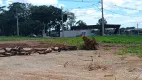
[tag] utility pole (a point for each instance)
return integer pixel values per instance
(43, 30)
(102, 31)
(17, 22)
(62, 22)
(17, 25)
(138, 28)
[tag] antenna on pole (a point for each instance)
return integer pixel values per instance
(102, 31)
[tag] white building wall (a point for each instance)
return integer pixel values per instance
(74, 33)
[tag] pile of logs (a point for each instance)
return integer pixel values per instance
(28, 51)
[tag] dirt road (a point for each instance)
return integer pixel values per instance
(72, 65)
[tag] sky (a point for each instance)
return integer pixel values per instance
(127, 13)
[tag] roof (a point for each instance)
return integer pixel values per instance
(94, 27)
(116, 26)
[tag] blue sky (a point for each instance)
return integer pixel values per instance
(125, 12)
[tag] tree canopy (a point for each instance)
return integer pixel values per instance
(32, 19)
(100, 21)
(80, 23)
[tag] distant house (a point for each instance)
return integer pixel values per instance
(131, 31)
(74, 33)
(87, 30)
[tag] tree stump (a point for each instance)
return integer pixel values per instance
(90, 44)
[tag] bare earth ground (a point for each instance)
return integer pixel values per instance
(70, 65)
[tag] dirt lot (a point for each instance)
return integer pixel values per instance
(70, 65)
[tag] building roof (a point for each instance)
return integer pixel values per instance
(94, 27)
(116, 26)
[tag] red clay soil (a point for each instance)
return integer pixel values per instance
(28, 44)
(38, 44)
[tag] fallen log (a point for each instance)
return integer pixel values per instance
(49, 50)
(4, 52)
(68, 48)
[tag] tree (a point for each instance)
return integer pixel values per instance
(47, 15)
(70, 19)
(80, 23)
(100, 21)
(31, 19)
(2, 8)
(9, 17)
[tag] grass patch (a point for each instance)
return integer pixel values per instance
(131, 50)
(135, 50)
(16, 38)
(103, 39)
(107, 48)
(120, 53)
(123, 57)
(120, 39)
(78, 40)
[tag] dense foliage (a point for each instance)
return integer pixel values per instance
(32, 19)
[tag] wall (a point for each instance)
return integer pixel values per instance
(75, 33)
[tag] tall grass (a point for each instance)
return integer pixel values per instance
(78, 40)
(120, 39)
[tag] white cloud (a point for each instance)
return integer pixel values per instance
(35, 2)
(135, 4)
(91, 16)
(131, 11)
(130, 17)
(109, 3)
(0, 2)
(42, 2)
(61, 5)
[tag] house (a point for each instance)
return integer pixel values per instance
(131, 31)
(87, 30)
(74, 33)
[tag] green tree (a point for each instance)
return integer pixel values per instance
(71, 19)
(31, 19)
(100, 21)
(49, 15)
(80, 23)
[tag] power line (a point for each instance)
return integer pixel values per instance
(83, 6)
(97, 7)
(120, 14)
(115, 12)
(136, 21)
(128, 8)
(78, 1)
(90, 14)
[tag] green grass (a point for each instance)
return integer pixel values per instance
(77, 41)
(103, 39)
(134, 50)
(15, 38)
(120, 39)
(120, 53)
(137, 50)
(107, 48)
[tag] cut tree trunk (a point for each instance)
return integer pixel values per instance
(90, 44)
